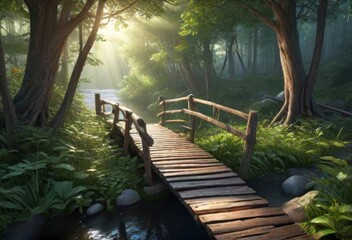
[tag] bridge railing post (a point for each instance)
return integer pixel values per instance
(249, 143)
(97, 104)
(146, 155)
(116, 112)
(162, 105)
(191, 106)
(128, 123)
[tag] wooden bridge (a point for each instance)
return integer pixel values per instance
(215, 196)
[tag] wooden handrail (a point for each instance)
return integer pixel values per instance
(129, 119)
(249, 136)
(217, 123)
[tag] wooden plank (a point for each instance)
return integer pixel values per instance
(197, 172)
(190, 169)
(186, 165)
(244, 233)
(202, 177)
(164, 158)
(238, 225)
(178, 146)
(223, 191)
(207, 208)
(183, 161)
(173, 151)
(280, 233)
(185, 154)
(207, 183)
(241, 214)
(237, 198)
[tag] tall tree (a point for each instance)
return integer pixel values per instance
(281, 16)
(298, 85)
(51, 22)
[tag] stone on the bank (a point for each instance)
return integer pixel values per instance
(94, 209)
(295, 207)
(295, 185)
(127, 197)
(281, 96)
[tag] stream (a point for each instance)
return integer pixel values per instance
(112, 95)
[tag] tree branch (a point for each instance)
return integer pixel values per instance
(66, 11)
(121, 10)
(271, 23)
(75, 21)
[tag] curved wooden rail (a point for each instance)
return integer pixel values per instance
(249, 136)
(125, 124)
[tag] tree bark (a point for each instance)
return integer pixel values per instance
(8, 107)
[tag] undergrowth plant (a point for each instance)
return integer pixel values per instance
(52, 173)
(329, 214)
(277, 149)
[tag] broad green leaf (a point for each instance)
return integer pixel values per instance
(65, 166)
(323, 233)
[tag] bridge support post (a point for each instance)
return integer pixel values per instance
(146, 155)
(192, 126)
(249, 143)
(97, 104)
(162, 105)
(126, 141)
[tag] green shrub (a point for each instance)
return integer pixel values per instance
(330, 212)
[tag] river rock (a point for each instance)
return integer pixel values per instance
(94, 209)
(295, 185)
(281, 96)
(295, 207)
(127, 197)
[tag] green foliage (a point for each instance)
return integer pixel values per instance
(330, 212)
(53, 173)
(278, 148)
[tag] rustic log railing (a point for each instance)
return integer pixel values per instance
(249, 136)
(124, 119)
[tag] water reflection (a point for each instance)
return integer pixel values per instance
(157, 220)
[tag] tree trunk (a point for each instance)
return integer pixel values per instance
(44, 53)
(254, 49)
(59, 118)
(309, 104)
(208, 65)
(231, 59)
(8, 107)
(244, 70)
(48, 34)
(297, 86)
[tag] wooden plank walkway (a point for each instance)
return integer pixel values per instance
(213, 193)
